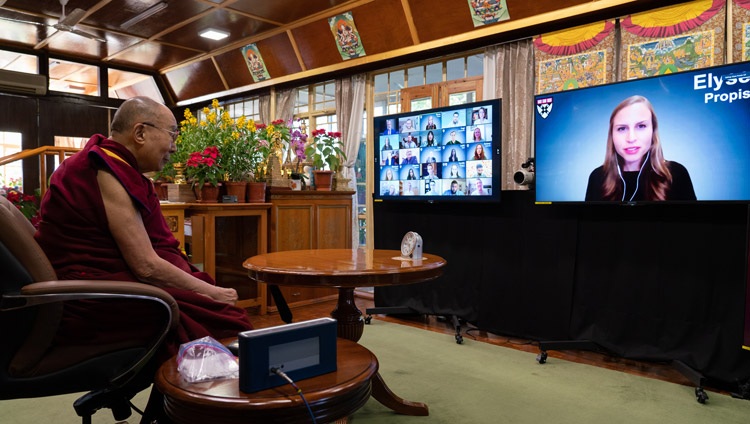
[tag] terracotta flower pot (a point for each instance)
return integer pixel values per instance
(238, 189)
(323, 180)
(208, 193)
(256, 192)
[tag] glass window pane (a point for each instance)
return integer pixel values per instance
(461, 98)
(72, 77)
(381, 83)
(416, 76)
(421, 104)
(434, 73)
(474, 65)
(11, 175)
(396, 80)
(303, 100)
(19, 62)
(454, 69)
(380, 104)
(325, 96)
(124, 85)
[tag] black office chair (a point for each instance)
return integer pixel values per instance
(34, 362)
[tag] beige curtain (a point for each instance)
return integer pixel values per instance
(265, 108)
(509, 75)
(285, 104)
(350, 105)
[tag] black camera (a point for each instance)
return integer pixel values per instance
(525, 175)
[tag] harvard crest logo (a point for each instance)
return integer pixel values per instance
(544, 106)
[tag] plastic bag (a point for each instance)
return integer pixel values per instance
(206, 359)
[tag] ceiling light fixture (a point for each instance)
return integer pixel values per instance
(158, 7)
(214, 34)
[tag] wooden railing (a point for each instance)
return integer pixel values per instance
(41, 153)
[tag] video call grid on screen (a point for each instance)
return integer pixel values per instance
(703, 118)
(444, 152)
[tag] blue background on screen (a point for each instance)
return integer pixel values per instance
(710, 140)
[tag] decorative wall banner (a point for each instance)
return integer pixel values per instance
(255, 63)
(673, 39)
(346, 35)
(668, 55)
(574, 58)
(741, 30)
(485, 12)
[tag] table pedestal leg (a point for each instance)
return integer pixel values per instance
(350, 322)
(350, 326)
(384, 395)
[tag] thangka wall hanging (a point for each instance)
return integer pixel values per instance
(485, 12)
(673, 39)
(574, 58)
(255, 63)
(346, 35)
(741, 30)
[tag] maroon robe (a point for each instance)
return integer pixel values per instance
(74, 233)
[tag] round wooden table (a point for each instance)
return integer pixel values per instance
(347, 269)
(331, 396)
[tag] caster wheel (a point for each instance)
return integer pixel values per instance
(541, 357)
(368, 319)
(700, 395)
(459, 339)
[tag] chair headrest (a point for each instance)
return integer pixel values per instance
(17, 235)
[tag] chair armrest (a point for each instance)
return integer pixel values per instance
(63, 290)
(50, 292)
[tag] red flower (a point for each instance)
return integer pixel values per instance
(211, 151)
(13, 196)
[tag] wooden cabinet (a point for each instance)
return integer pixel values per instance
(309, 220)
(222, 236)
(174, 214)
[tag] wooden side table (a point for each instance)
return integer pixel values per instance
(347, 269)
(331, 396)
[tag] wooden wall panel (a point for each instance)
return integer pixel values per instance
(70, 120)
(436, 19)
(382, 26)
(278, 55)
(316, 44)
(19, 114)
(195, 80)
(234, 68)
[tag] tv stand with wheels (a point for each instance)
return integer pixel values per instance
(691, 374)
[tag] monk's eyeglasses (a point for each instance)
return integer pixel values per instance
(174, 134)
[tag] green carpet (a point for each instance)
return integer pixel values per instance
(479, 383)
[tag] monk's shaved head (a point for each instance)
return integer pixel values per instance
(134, 110)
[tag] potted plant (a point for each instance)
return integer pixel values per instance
(297, 147)
(326, 155)
(204, 171)
(237, 157)
(28, 204)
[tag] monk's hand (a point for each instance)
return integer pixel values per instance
(224, 295)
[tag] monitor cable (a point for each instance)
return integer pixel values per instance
(283, 375)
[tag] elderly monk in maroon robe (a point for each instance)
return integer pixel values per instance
(101, 219)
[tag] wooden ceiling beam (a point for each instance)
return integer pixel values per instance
(491, 30)
(410, 22)
(268, 34)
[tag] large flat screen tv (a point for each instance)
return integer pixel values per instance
(601, 144)
(449, 154)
